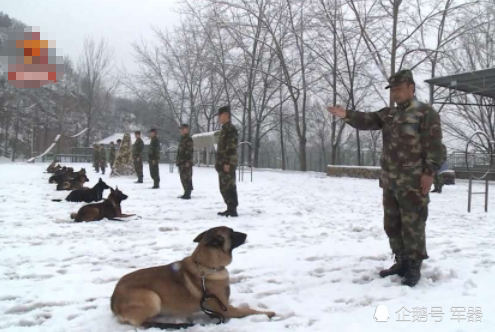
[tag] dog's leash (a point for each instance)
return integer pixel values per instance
(206, 297)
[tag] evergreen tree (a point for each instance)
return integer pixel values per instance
(123, 162)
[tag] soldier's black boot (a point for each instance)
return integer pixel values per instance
(224, 213)
(400, 267)
(413, 273)
(187, 195)
(439, 190)
(435, 190)
(156, 185)
(231, 213)
(140, 180)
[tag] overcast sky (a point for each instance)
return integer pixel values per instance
(120, 22)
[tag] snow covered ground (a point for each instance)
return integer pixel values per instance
(315, 246)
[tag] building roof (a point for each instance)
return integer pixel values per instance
(481, 82)
(116, 136)
(205, 140)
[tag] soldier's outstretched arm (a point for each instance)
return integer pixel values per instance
(360, 120)
(431, 142)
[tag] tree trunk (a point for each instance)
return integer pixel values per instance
(396, 5)
(88, 133)
(257, 145)
(302, 154)
(358, 141)
(244, 113)
(281, 123)
(16, 130)
(7, 127)
(14, 147)
(333, 138)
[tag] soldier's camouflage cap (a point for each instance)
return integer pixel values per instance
(404, 75)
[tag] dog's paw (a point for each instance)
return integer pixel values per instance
(270, 314)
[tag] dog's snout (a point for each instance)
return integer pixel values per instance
(238, 239)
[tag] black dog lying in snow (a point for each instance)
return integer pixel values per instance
(94, 194)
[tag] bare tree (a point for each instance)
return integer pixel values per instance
(94, 67)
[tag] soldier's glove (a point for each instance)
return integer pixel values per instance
(226, 168)
(187, 164)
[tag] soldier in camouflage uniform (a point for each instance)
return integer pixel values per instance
(112, 153)
(137, 156)
(226, 162)
(439, 181)
(96, 158)
(185, 161)
(412, 153)
(154, 159)
(103, 158)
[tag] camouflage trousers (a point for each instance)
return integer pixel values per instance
(154, 171)
(186, 178)
(438, 181)
(112, 162)
(405, 218)
(96, 165)
(228, 188)
(103, 166)
(138, 167)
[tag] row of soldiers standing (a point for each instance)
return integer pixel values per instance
(153, 157)
(226, 160)
(184, 159)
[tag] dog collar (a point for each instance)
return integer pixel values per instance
(206, 271)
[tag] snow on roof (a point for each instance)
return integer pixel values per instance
(115, 137)
(205, 140)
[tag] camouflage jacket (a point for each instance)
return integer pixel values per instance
(102, 155)
(137, 148)
(154, 149)
(186, 150)
(412, 142)
(227, 146)
(96, 154)
(112, 154)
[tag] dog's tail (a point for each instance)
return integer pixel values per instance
(167, 326)
(56, 200)
(73, 215)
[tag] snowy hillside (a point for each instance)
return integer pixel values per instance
(315, 246)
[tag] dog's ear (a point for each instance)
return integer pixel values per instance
(200, 237)
(100, 180)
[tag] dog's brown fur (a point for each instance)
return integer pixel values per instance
(75, 183)
(62, 175)
(176, 289)
(109, 208)
(65, 174)
(53, 167)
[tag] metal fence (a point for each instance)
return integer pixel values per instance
(315, 161)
